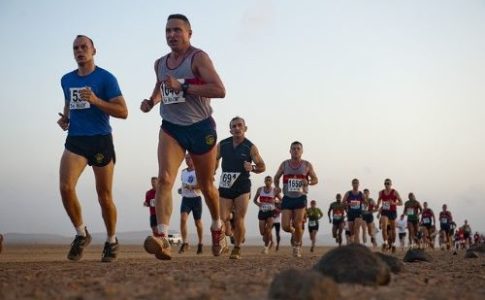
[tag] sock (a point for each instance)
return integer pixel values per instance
(216, 224)
(81, 230)
(162, 230)
(111, 239)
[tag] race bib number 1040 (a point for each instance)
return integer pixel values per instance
(170, 96)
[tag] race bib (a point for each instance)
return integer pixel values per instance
(355, 204)
(295, 185)
(410, 212)
(267, 207)
(76, 102)
(444, 220)
(386, 205)
(171, 97)
(312, 223)
(152, 202)
(337, 216)
(228, 179)
(426, 220)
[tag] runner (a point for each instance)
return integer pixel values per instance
(337, 209)
(267, 200)
(237, 154)
(191, 202)
(390, 199)
(467, 234)
(277, 225)
(353, 201)
(368, 209)
(412, 209)
(91, 96)
(402, 226)
(150, 202)
(427, 223)
(314, 214)
(187, 125)
(445, 227)
(297, 174)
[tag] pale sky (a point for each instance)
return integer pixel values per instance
(373, 89)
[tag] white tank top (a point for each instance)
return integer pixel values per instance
(267, 199)
(189, 180)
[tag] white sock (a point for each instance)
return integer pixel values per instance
(81, 230)
(111, 239)
(216, 224)
(162, 230)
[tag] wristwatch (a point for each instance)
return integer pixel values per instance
(185, 87)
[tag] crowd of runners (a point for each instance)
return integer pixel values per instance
(186, 80)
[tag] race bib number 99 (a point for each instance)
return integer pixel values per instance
(228, 179)
(171, 97)
(76, 102)
(295, 185)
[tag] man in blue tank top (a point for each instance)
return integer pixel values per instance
(186, 80)
(237, 154)
(91, 96)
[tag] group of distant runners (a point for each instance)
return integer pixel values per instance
(185, 82)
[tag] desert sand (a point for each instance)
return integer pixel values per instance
(43, 272)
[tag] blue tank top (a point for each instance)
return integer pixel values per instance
(355, 201)
(86, 119)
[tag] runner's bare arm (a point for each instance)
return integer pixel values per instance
(312, 175)
(63, 121)
(344, 200)
(260, 166)
(212, 86)
(147, 104)
(255, 199)
(277, 177)
(399, 200)
(115, 107)
(379, 200)
(218, 156)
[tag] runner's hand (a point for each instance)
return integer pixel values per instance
(146, 105)
(63, 122)
(86, 94)
(173, 84)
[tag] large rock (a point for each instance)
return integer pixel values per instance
(479, 248)
(354, 264)
(308, 284)
(471, 254)
(416, 255)
(394, 263)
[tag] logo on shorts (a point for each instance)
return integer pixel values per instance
(210, 140)
(99, 157)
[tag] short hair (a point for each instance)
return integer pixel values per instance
(85, 36)
(355, 180)
(313, 201)
(296, 143)
(154, 177)
(179, 17)
(366, 190)
(268, 177)
(237, 118)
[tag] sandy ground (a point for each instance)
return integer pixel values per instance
(42, 272)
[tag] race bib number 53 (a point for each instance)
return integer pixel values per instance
(76, 102)
(228, 179)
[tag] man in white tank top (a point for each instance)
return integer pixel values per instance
(191, 202)
(267, 197)
(297, 174)
(186, 80)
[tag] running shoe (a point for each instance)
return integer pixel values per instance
(271, 245)
(219, 243)
(312, 248)
(277, 247)
(265, 250)
(183, 248)
(235, 253)
(110, 251)
(158, 246)
(199, 248)
(77, 246)
(297, 251)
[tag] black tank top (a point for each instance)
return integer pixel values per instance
(233, 158)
